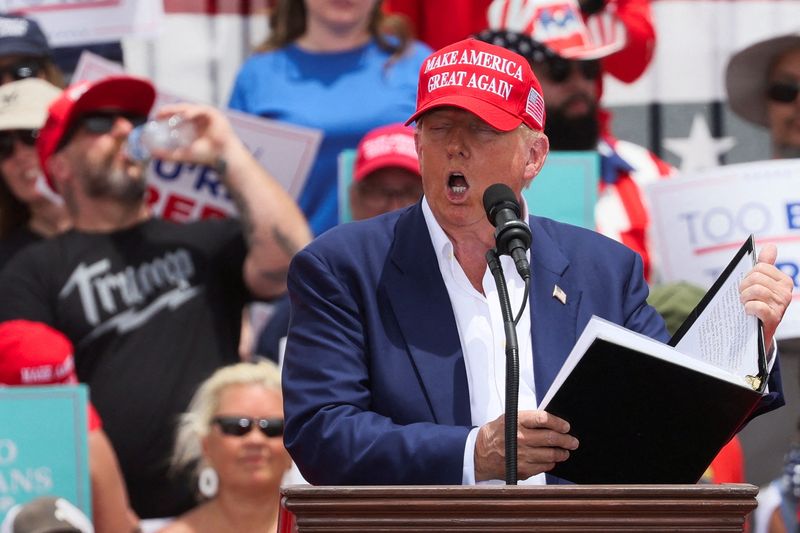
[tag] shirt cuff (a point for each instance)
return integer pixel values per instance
(771, 362)
(468, 473)
(771, 358)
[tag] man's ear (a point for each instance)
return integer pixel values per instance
(538, 148)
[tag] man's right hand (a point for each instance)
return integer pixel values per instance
(542, 441)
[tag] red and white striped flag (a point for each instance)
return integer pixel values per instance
(535, 106)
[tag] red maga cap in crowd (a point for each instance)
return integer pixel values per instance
(387, 146)
(493, 83)
(33, 353)
(118, 93)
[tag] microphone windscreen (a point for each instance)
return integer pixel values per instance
(498, 196)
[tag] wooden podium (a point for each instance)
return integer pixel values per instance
(501, 508)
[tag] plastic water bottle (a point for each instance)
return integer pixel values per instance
(163, 135)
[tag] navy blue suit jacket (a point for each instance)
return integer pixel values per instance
(375, 387)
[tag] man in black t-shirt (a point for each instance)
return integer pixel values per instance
(152, 307)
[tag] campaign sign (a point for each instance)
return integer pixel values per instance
(43, 445)
(182, 192)
(76, 22)
(699, 220)
(347, 160)
(566, 188)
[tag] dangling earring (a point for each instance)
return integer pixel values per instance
(208, 482)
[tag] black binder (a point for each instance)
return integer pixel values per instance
(642, 411)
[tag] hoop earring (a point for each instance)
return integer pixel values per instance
(208, 482)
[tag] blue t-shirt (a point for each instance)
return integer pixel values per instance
(345, 94)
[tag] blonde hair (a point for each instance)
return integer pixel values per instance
(195, 423)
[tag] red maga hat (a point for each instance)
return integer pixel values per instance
(495, 84)
(33, 353)
(118, 93)
(386, 146)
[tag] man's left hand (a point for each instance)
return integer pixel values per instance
(766, 292)
(215, 135)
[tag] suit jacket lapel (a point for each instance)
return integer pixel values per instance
(412, 277)
(552, 322)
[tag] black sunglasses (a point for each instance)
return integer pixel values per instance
(240, 426)
(8, 139)
(558, 69)
(27, 68)
(783, 91)
(99, 122)
(103, 121)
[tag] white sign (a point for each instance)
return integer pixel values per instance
(700, 220)
(76, 22)
(183, 192)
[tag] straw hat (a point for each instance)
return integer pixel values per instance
(746, 76)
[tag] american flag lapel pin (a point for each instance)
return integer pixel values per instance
(559, 294)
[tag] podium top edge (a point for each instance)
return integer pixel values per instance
(511, 491)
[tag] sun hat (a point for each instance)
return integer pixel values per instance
(747, 72)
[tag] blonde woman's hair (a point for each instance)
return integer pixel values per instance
(195, 423)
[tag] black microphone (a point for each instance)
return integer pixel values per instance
(512, 236)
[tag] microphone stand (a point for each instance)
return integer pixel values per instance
(512, 367)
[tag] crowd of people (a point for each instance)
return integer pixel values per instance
(388, 329)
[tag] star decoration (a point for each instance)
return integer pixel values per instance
(699, 150)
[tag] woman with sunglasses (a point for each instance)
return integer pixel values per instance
(233, 433)
(29, 210)
(763, 86)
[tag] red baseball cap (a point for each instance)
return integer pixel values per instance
(120, 93)
(386, 146)
(33, 353)
(495, 84)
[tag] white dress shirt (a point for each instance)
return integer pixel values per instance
(482, 335)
